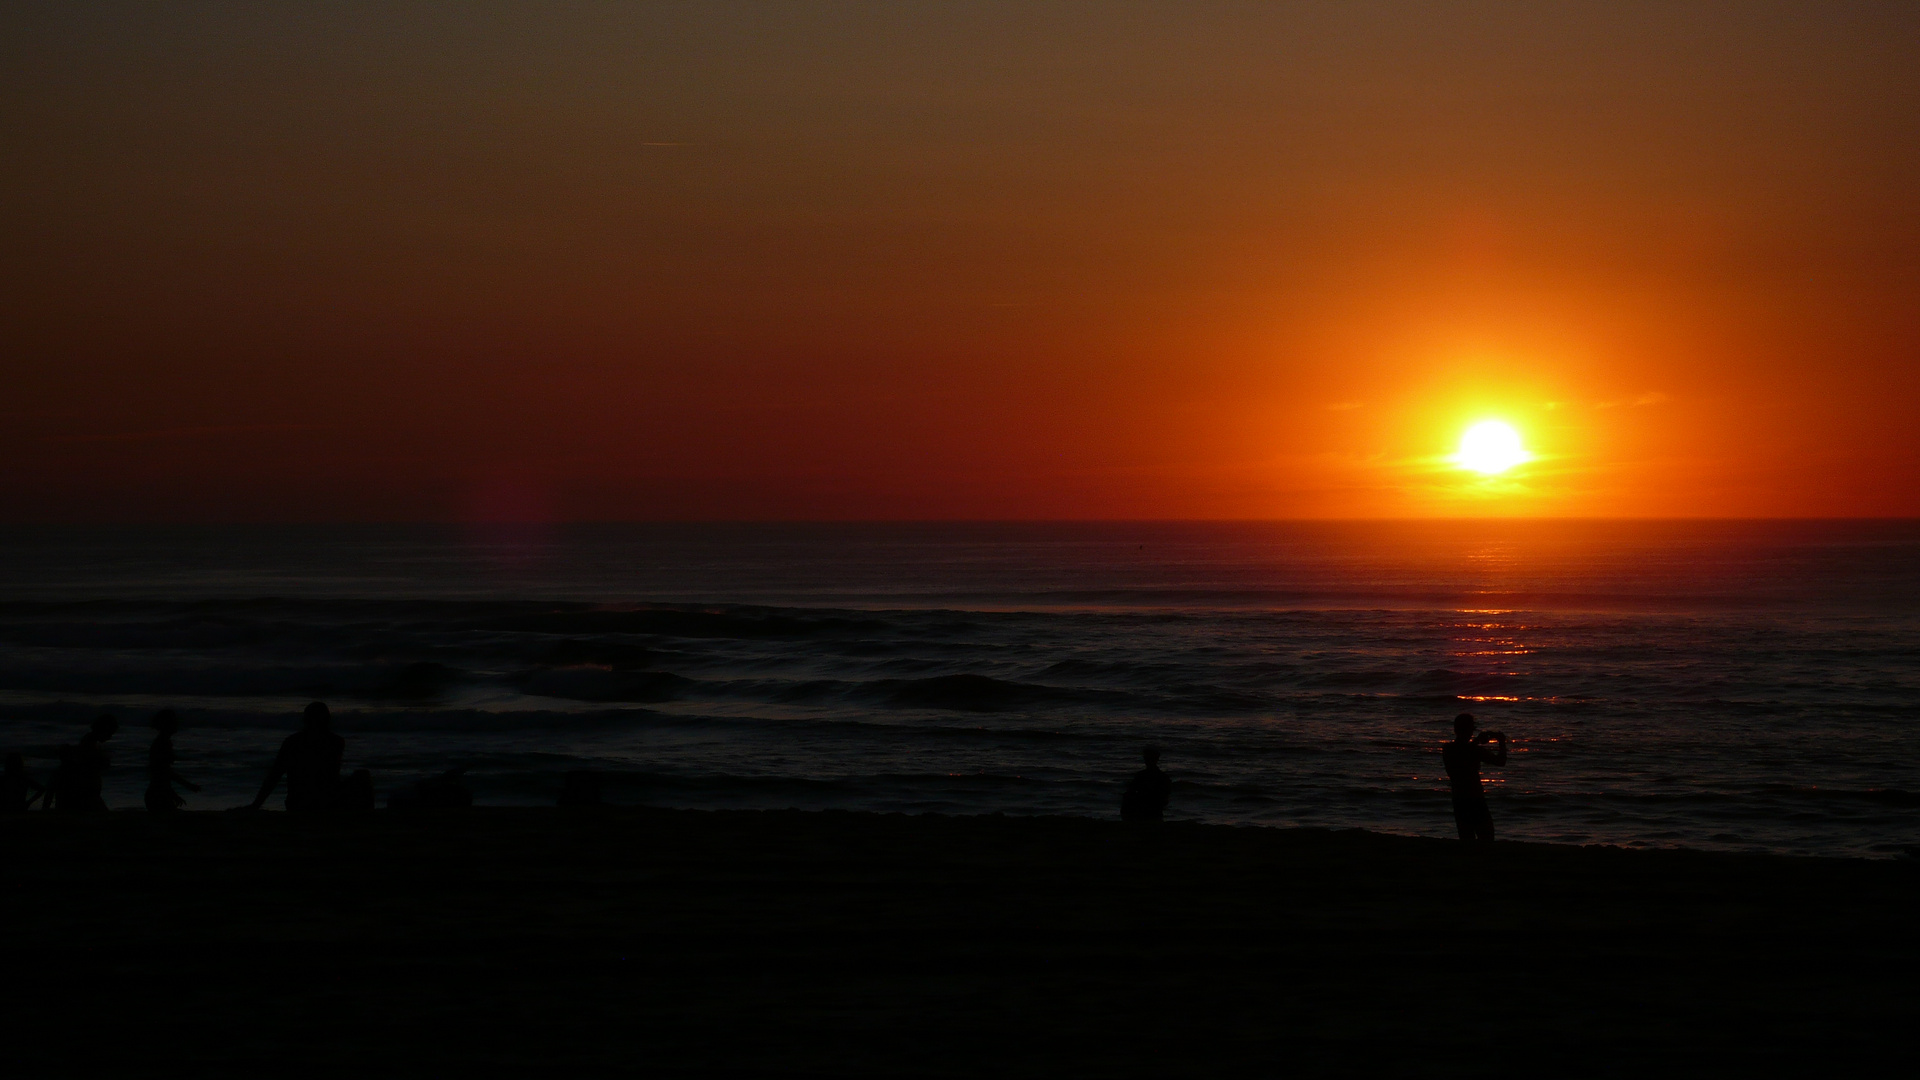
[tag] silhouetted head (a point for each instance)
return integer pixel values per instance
(166, 722)
(104, 726)
(1151, 755)
(1463, 725)
(318, 718)
(16, 764)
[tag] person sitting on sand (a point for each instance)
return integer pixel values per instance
(83, 769)
(310, 761)
(18, 789)
(161, 798)
(1146, 795)
(1463, 758)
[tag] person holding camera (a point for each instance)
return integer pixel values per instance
(1463, 757)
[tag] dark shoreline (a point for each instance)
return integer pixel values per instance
(836, 943)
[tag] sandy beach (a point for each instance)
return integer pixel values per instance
(785, 943)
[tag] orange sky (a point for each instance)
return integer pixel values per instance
(397, 262)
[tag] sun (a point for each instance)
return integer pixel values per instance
(1490, 447)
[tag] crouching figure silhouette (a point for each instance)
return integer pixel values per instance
(1146, 795)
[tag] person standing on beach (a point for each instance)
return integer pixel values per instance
(83, 769)
(1463, 757)
(161, 798)
(1145, 799)
(310, 761)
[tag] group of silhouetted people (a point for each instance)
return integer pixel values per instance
(309, 764)
(1145, 798)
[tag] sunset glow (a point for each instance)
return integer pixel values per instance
(1490, 447)
(387, 262)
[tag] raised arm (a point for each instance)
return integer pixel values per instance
(1497, 756)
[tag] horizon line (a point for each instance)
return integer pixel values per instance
(576, 522)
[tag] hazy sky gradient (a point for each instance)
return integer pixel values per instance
(612, 261)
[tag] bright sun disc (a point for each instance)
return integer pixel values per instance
(1490, 447)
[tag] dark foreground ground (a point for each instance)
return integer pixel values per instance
(552, 943)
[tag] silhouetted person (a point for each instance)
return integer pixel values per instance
(18, 789)
(310, 761)
(161, 798)
(1146, 795)
(83, 768)
(1463, 757)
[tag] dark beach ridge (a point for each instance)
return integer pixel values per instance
(740, 943)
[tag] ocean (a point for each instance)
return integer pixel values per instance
(1730, 685)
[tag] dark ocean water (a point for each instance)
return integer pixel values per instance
(1745, 685)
